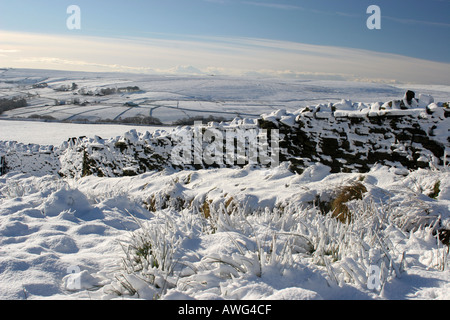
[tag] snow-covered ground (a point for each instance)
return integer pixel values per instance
(235, 234)
(147, 236)
(54, 133)
(170, 98)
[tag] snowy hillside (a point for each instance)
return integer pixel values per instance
(109, 97)
(223, 234)
(357, 207)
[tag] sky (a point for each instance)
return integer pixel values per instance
(323, 39)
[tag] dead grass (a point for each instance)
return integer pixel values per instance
(205, 208)
(348, 193)
(229, 205)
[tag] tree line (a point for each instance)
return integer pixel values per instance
(12, 103)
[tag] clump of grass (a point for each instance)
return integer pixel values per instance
(149, 258)
(436, 190)
(444, 236)
(142, 254)
(230, 205)
(205, 208)
(170, 197)
(208, 205)
(339, 209)
(151, 203)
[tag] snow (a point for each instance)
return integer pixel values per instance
(224, 233)
(50, 226)
(55, 133)
(176, 98)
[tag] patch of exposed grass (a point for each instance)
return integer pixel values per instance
(436, 190)
(348, 193)
(205, 208)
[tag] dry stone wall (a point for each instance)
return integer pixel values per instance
(348, 137)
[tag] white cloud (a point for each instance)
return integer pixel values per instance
(52, 61)
(231, 56)
(8, 50)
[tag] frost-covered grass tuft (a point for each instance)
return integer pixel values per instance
(366, 252)
(149, 259)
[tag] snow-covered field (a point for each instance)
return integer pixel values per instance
(54, 133)
(237, 234)
(170, 98)
(262, 237)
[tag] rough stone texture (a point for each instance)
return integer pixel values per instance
(354, 142)
(31, 158)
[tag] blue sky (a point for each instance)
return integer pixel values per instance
(416, 29)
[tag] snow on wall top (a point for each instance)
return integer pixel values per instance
(347, 136)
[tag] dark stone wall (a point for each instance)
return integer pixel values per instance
(344, 141)
(355, 143)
